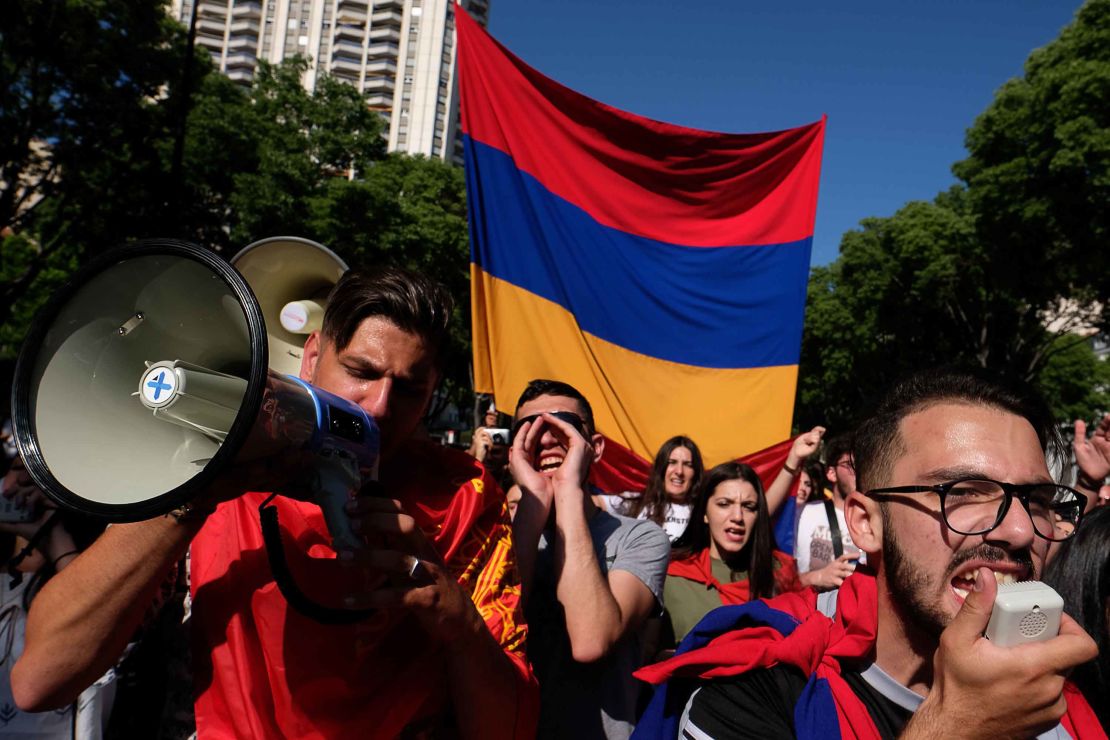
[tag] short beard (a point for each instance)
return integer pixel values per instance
(907, 585)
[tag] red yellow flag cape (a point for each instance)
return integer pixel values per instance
(264, 670)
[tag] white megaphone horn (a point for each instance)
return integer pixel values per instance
(146, 378)
(291, 277)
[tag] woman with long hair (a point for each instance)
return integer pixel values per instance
(667, 498)
(1080, 572)
(726, 555)
(811, 482)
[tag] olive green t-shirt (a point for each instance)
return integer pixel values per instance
(688, 601)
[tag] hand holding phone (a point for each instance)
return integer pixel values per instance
(498, 436)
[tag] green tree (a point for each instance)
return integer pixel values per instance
(994, 272)
(259, 161)
(407, 211)
(1075, 381)
(1038, 170)
(907, 291)
(277, 159)
(86, 105)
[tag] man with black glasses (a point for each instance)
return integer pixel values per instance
(956, 498)
(590, 577)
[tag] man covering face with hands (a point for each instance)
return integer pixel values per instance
(590, 577)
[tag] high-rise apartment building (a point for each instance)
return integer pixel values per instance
(399, 53)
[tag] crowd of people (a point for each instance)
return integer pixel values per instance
(502, 595)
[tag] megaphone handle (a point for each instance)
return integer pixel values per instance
(275, 551)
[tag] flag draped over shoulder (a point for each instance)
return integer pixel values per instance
(660, 270)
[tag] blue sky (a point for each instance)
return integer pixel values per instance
(900, 81)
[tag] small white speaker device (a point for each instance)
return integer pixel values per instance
(1027, 611)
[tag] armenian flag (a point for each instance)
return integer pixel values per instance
(661, 270)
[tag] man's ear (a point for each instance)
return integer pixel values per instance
(598, 443)
(310, 356)
(865, 523)
(830, 474)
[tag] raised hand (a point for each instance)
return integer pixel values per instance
(1093, 454)
(804, 446)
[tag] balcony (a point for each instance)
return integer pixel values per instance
(210, 27)
(382, 66)
(378, 84)
(382, 102)
(348, 50)
(349, 33)
(209, 9)
(244, 26)
(240, 60)
(384, 34)
(382, 52)
(360, 6)
(241, 75)
(242, 43)
(246, 10)
(386, 17)
(351, 16)
(345, 68)
(215, 46)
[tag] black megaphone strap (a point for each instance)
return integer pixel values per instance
(275, 551)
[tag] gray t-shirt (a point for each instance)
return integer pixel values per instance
(592, 700)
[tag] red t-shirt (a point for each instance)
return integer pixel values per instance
(264, 670)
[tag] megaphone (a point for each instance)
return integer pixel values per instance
(145, 378)
(291, 278)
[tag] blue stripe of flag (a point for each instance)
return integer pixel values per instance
(714, 307)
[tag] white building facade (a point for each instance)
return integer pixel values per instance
(399, 53)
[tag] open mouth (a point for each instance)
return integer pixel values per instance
(963, 583)
(735, 534)
(550, 463)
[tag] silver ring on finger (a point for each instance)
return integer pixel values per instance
(417, 571)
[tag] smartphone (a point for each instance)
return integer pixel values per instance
(498, 436)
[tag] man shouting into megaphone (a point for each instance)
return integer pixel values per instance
(443, 651)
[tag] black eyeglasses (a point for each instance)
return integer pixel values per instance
(978, 505)
(569, 417)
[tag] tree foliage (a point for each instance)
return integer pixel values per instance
(90, 108)
(995, 272)
(85, 105)
(1075, 381)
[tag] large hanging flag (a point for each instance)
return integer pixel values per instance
(659, 269)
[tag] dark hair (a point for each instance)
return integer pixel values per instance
(878, 441)
(1080, 573)
(815, 469)
(414, 302)
(654, 498)
(761, 577)
(543, 387)
(837, 447)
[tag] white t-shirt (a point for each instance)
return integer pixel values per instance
(92, 707)
(813, 541)
(675, 516)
